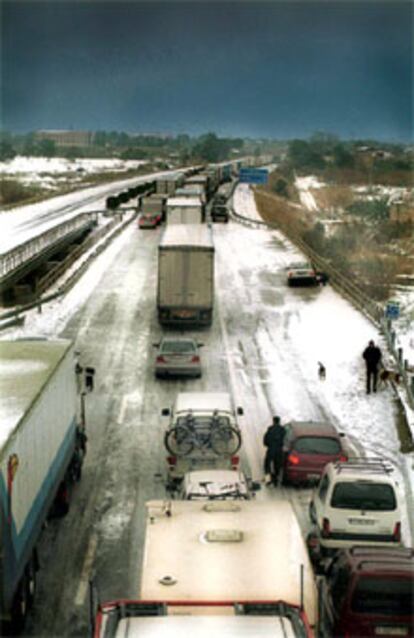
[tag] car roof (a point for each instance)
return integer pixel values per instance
(381, 559)
(313, 428)
(363, 469)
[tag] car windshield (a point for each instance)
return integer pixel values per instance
(317, 445)
(364, 496)
(387, 596)
(177, 347)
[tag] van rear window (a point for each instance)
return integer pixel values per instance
(317, 445)
(386, 596)
(364, 496)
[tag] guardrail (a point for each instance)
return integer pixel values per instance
(350, 289)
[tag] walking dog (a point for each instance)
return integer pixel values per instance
(389, 376)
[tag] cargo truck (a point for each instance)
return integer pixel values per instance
(42, 445)
(219, 568)
(185, 210)
(185, 287)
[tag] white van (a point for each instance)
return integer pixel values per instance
(202, 434)
(356, 503)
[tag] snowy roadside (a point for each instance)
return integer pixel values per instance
(317, 339)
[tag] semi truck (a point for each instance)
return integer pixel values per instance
(185, 286)
(185, 210)
(42, 446)
(219, 568)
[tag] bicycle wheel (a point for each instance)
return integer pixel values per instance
(225, 440)
(178, 441)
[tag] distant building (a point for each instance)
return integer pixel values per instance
(63, 139)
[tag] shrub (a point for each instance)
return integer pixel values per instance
(12, 192)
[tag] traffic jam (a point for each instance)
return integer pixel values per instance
(314, 545)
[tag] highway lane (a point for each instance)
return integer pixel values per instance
(256, 348)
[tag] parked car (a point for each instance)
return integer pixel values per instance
(149, 220)
(178, 356)
(357, 502)
(308, 446)
(368, 592)
(302, 274)
(220, 213)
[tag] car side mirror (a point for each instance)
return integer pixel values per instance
(89, 378)
(156, 345)
(200, 344)
(342, 434)
(255, 486)
(165, 412)
(240, 411)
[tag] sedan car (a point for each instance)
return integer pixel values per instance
(149, 221)
(302, 274)
(308, 446)
(178, 356)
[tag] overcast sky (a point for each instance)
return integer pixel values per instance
(239, 68)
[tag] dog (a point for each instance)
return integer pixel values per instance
(321, 371)
(389, 376)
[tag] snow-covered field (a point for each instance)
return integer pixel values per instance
(51, 173)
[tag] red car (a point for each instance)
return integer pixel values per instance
(369, 592)
(308, 446)
(149, 221)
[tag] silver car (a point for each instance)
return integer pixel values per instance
(178, 356)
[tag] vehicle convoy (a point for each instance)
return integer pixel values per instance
(219, 568)
(185, 210)
(185, 287)
(203, 433)
(42, 445)
(356, 502)
(368, 592)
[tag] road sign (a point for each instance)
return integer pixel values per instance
(253, 175)
(392, 310)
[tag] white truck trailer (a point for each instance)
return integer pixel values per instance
(224, 568)
(185, 210)
(42, 445)
(185, 287)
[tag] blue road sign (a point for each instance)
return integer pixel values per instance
(253, 175)
(392, 310)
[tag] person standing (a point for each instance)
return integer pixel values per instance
(372, 355)
(273, 441)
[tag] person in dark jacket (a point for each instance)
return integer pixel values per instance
(273, 441)
(372, 355)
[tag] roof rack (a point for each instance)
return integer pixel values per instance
(371, 464)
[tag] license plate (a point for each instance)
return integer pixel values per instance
(391, 631)
(361, 521)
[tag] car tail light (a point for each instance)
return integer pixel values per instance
(343, 458)
(172, 460)
(160, 360)
(397, 532)
(195, 359)
(235, 461)
(293, 459)
(326, 528)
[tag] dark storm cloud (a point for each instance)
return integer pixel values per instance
(251, 68)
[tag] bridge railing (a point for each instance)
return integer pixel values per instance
(16, 257)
